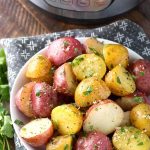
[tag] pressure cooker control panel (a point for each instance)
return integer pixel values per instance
(80, 5)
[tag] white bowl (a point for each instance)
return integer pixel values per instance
(21, 80)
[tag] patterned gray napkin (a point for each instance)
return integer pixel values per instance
(19, 50)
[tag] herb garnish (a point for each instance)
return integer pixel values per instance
(94, 51)
(38, 93)
(18, 122)
(138, 99)
(88, 91)
(66, 43)
(77, 61)
(118, 80)
(66, 147)
(141, 143)
(142, 73)
(75, 49)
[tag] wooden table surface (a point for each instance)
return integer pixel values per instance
(22, 18)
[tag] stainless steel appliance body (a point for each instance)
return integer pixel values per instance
(86, 10)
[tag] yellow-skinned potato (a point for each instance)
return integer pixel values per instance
(94, 46)
(115, 54)
(39, 69)
(120, 81)
(67, 119)
(88, 65)
(140, 117)
(90, 90)
(60, 143)
(130, 138)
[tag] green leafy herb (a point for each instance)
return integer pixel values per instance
(84, 133)
(142, 73)
(66, 43)
(38, 93)
(6, 128)
(141, 143)
(75, 49)
(94, 51)
(18, 122)
(118, 80)
(91, 127)
(77, 61)
(66, 147)
(138, 99)
(88, 91)
(52, 70)
(122, 129)
(134, 77)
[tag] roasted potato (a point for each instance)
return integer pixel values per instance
(130, 138)
(60, 143)
(44, 99)
(129, 101)
(37, 132)
(120, 81)
(90, 90)
(23, 99)
(64, 49)
(104, 116)
(94, 46)
(93, 141)
(141, 71)
(67, 119)
(65, 80)
(115, 54)
(39, 69)
(88, 65)
(140, 117)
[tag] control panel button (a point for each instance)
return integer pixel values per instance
(83, 3)
(66, 2)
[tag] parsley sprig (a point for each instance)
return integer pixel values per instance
(6, 128)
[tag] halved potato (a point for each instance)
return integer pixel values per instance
(120, 81)
(91, 90)
(94, 46)
(60, 143)
(88, 65)
(67, 119)
(37, 132)
(39, 69)
(115, 54)
(130, 138)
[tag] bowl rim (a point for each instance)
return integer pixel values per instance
(22, 71)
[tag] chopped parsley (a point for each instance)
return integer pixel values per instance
(142, 73)
(66, 43)
(118, 80)
(88, 91)
(141, 143)
(38, 93)
(133, 77)
(52, 70)
(138, 99)
(18, 122)
(91, 127)
(77, 61)
(75, 49)
(94, 51)
(66, 147)
(122, 130)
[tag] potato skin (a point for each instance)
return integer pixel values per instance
(130, 138)
(37, 132)
(44, 99)
(140, 117)
(64, 49)
(131, 100)
(120, 81)
(88, 65)
(90, 90)
(141, 70)
(94, 46)
(115, 54)
(67, 119)
(99, 117)
(93, 141)
(23, 99)
(65, 80)
(60, 143)
(39, 69)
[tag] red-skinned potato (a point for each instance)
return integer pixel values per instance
(23, 99)
(93, 141)
(128, 102)
(104, 116)
(64, 80)
(37, 132)
(64, 49)
(141, 70)
(44, 99)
